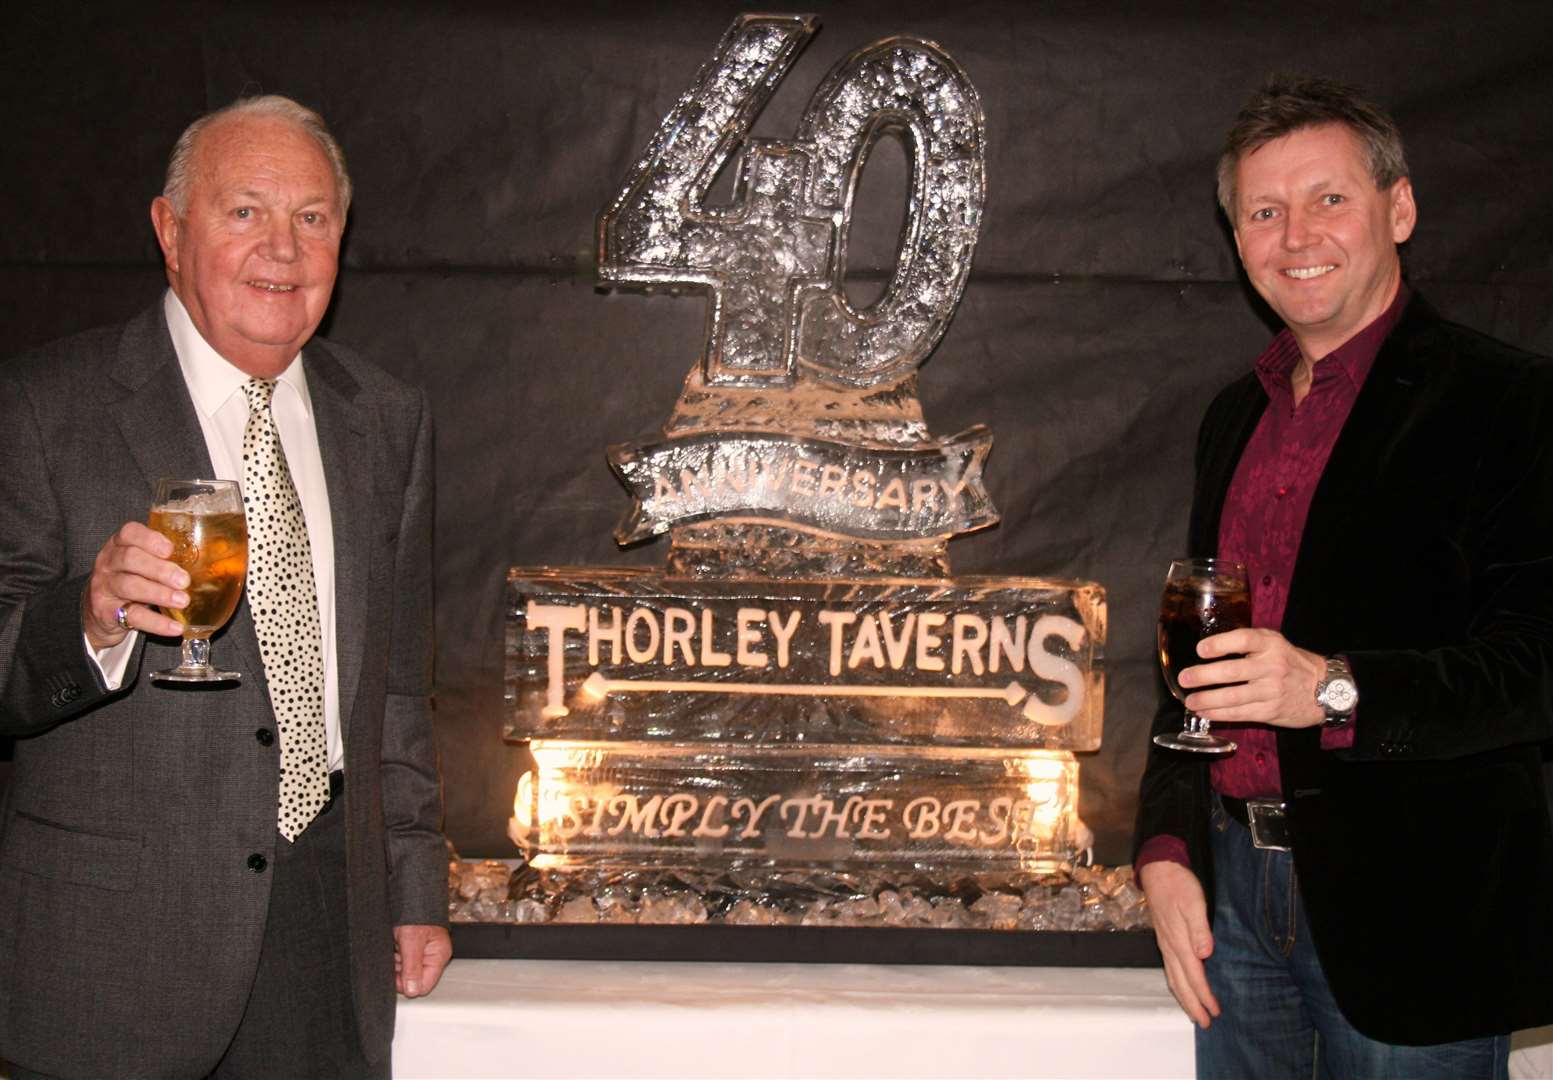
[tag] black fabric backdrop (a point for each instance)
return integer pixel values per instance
(1105, 306)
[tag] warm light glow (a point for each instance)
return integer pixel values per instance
(543, 805)
(1050, 776)
(523, 805)
(553, 756)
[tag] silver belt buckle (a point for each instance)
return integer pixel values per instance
(1269, 820)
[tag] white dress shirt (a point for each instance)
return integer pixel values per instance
(217, 389)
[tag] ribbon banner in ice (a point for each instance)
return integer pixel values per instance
(935, 490)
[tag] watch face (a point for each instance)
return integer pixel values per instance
(1339, 695)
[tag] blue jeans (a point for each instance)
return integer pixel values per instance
(1279, 1018)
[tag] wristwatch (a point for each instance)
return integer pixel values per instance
(1336, 693)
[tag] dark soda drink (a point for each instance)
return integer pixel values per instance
(1192, 609)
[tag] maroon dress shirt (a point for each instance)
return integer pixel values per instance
(1264, 518)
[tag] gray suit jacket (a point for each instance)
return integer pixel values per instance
(130, 916)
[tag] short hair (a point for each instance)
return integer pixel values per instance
(274, 106)
(1288, 103)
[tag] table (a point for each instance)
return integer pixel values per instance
(582, 1018)
(585, 1018)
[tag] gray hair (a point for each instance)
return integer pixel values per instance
(1286, 104)
(181, 162)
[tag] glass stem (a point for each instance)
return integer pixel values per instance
(196, 653)
(1196, 725)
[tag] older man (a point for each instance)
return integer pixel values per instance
(1378, 849)
(226, 881)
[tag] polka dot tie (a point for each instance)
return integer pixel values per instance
(284, 604)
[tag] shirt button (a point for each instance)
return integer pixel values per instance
(257, 863)
(1282, 491)
(1261, 759)
(265, 736)
(1267, 579)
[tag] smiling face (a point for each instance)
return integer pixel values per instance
(253, 255)
(1317, 239)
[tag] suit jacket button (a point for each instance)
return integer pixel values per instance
(265, 736)
(257, 863)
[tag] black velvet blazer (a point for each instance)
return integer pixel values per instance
(1424, 853)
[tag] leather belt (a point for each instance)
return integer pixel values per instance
(1268, 820)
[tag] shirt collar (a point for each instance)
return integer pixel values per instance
(211, 378)
(1351, 360)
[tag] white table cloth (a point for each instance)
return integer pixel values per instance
(565, 1018)
(559, 1018)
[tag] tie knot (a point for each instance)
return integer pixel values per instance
(259, 392)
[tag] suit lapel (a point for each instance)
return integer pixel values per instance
(1381, 413)
(157, 420)
(344, 428)
(156, 415)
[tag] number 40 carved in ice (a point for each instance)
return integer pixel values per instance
(774, 259)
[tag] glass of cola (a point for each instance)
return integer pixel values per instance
(1202, 597)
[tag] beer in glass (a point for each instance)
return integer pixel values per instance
(205, 522)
